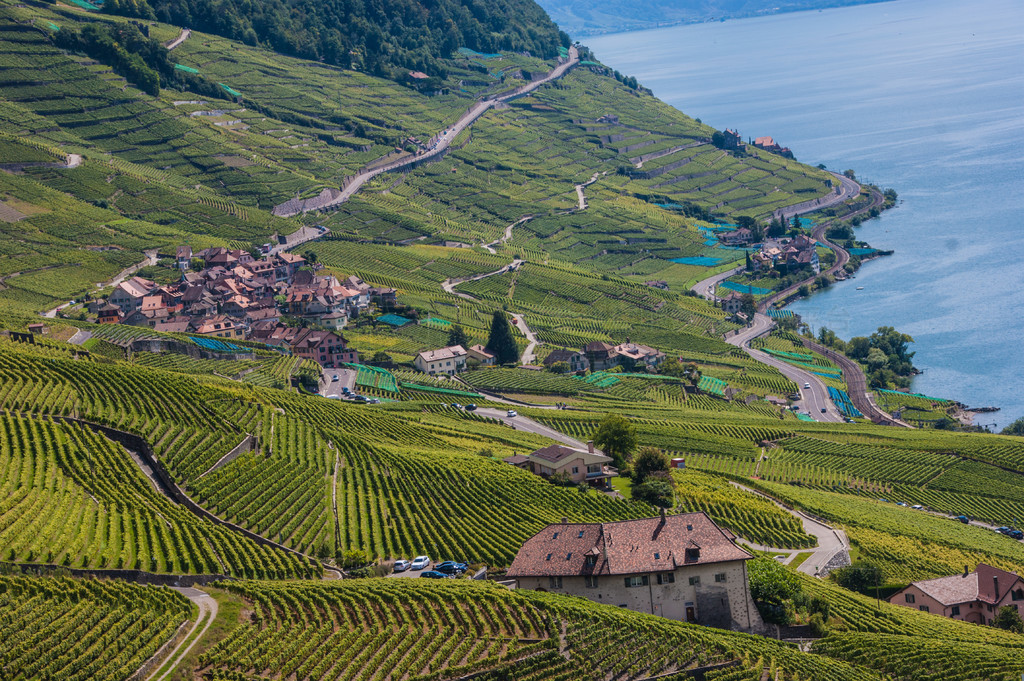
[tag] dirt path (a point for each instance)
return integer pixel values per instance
(449, 284)
(185, 33)
(444, 138)
(150, 259)
(528, 355)
(207, 613)
(582, 200)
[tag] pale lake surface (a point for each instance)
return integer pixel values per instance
(924, 96)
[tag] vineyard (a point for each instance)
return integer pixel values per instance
(89, 629)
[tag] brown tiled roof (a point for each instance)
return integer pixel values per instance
(979, 585)
(443, 353)
(554, 453)
(625, 547)
(516, 459)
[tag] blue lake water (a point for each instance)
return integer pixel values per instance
(924, 96)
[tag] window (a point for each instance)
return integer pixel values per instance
(555, 582)
(694, 581)
(720, 577)
(923, 608)
(591, 561)
(639, 580)
(590, 581)
(549, 557)
(580, 535)
(1018, 595)
(909, 598)
(569, 556)
(657, 556)
(955, 611)
(555, 536)
(575, 470)
(594, 468)
(667, 578)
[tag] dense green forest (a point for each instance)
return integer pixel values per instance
(380, 37)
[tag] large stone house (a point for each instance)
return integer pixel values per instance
(972, 596)
(683, 567)
(327, 348)
(450, 360)
(128, 295)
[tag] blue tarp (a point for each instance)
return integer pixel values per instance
(744, 288)
(700, 260)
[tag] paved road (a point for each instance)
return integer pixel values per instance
(528, 355)
(446, 136)
(581, 199)
(812, 399)
(346, 379)
(530, 426)
(830, 540)
(207, 613)
(185, 33)
(847, 190)
(449, 286)
(706, 287)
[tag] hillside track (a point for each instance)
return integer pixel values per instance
(207, 613)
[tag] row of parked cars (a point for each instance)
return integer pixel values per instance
(1011, 532)
(448, 569)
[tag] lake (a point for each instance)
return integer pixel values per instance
(924, 96)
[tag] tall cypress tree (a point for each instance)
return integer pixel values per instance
(501, 342)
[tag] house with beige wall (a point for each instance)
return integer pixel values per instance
(590, 466)
(683, 567)
(972, 596)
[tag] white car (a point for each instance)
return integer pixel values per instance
(512, 412)
(917, 507)
(401, 565)
(420, 562)
(807, 385)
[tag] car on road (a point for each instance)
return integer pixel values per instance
(434, 574)
(334, 397)
(470, 407)
(511, 413)
(345, 390)
(901, 503)
(402, 565)
(1002, 530)
(917, 507)
(420, 562)
(334, 378)
(807, 385)
(963, 519)
(824, 410)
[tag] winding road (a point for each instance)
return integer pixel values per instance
(185, 33)
(444, 138)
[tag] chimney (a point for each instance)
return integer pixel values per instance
(661, 524)
(590, 446)
(995, 585)
(965, 572)
(565, 521)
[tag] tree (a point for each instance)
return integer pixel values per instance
(1008, 618)
(648, 462)
(654, 492)
(876, 359)
(671, 367)
(718, 139)
(616, 437)
(692, 373)
(381, 356)
(860, 577)
(748, 305)
(777, 228)
(1015, 428)
(559, 368)
(458, 336)
(500, 341)
(771, 586)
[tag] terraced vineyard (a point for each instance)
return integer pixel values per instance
(89, 629)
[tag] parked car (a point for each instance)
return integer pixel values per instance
(420, 562)
(373, 400)
(401, 565)
(456, 405)
(470, 407)
(334, 397)
(449, 570)
(361, 399)
(511, 412)
(334, 378)
(1003, 530)
(1015, 534)
(459, 567)
(901, 503)
(963, 519)
(434, 574)
(917, 507)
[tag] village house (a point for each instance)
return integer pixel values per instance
(733, 302)
(732, 140)
(450, 360)
(481, 355)
(736, 237)
(108, 314)
(639, 356)
(327, 348)
(183, 257)
(219, 326)
(683, 567)
(590, 466)
(600, 355)
(972, 596)
(128, 295)
(577, 361)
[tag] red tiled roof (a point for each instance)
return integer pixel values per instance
(554, 453)
(625, 547)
